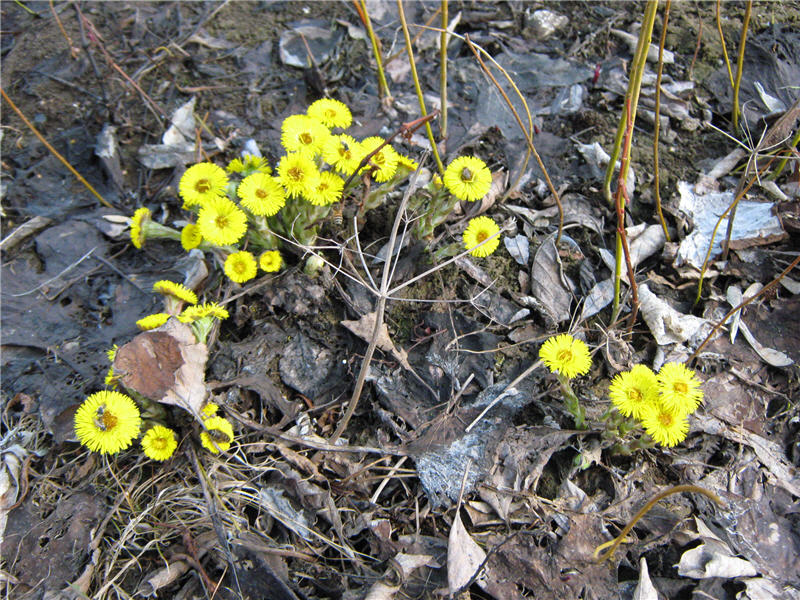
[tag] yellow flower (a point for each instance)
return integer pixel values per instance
(301, 133)
(343, 153)
(107, 422)
(152, 321)
(111, 353)
(220, 430)
(191, 236)
(209, 309)
(478, 230)
(634, 392)
(110, 379)
(679, 388)
(175, 290)
(384, 162)
(261, 194)
(138, 220)
(468, 178)
(240, 266)
(665, 427)
(159, 443)
(221, 222)
(329, 190)
(565, 355)
(270, 261)
(407, 163)
(209, 410)
(202, 182)
(298, 174)
(249, 164)
(331, 113)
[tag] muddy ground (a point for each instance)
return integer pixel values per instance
(409, 499)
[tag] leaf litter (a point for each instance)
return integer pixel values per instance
(371, 516)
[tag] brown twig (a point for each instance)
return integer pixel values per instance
(696, 50)
(741, 305)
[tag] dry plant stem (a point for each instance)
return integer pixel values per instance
(733, 205)
(741, 305)
(631, 96)
(72, 49)
(739, 62)
(55, 153)
(379, 310)
(363, 13)
(417, 87)
(614, 544)
(443, 73)
(622, 248)
(722, 41)
(696, 50)
(657, 125)
(792, 145)
(528, 133)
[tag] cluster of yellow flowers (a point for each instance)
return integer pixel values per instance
(308, 179)
(661, 402)
(108, 422)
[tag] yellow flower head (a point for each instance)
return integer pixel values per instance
(634, 392)
(110, 379)
(565, 355)
(329, 190)
(240, 266)
(209, 309)
(298, 174)
(175, 290)
(138, 220)
(249, 164)
(478, 230)
(221, 222)
(152, 321)
(261, 194)
(270, 261)
(159, 443)
(111, 353)
(343, 153)
(407, 163)
(107, 422)
(191, 236)
(665, 427)
(301, 133)
(331, 113)
(220, 430)
(384, 161)
(468, 178)
(202, 182)
(209, 410)
(679, 388)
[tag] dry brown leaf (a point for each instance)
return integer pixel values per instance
(464, 557)
(365, 327)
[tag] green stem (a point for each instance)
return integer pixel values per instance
(443, 73)
(739, 63)
(383, 87)
(571, 402)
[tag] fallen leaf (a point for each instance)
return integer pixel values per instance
(644, 589)
(667, 324)
(365, 328)
(464, 557)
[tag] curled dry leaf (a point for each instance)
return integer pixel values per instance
(464, 557)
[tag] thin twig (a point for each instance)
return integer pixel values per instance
(657, 126)
(739, 63)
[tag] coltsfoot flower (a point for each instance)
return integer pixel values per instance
(209, 410)
(221, 222)
(209, 309)
(152, 321)
(270, 261)
(331, 113)
(138, 220)
(384, 161)
(343, 153)
(298, 174)
(249, 164)
(175, 290)
(241, 266)
(679, 388)
(478, 230)
(565, 355)
(191, 237)
(329, 190)
(634, 392)
(261, 194)
(107, 422)
(159, 443)
(665, 427)
(468, 178)
(301, 133)
(202, 182)
(220, 430)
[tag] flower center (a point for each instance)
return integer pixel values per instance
(635, 395)
(261, 194)
(330, 113)
(107, 420)
(379, 159)
(565, 355)
(481, 236)
(665, 419)
(240, 267)
(295, 173)
(221, 221)
(306, 138)
(466, 175)
(680, 387)
(202, 186)
(159, 443)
